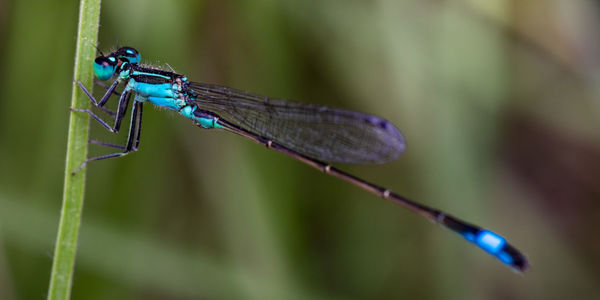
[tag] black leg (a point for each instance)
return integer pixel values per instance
(136, 144)
(135, 127)
(108, 111)
(95, 117)
(133, 139)
(106, 86)
(101, 143)
(123, 103)
(106, 96)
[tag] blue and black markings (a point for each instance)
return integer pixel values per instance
(313, 134)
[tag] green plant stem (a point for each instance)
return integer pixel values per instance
(68, 228)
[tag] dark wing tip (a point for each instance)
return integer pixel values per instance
(391, 136)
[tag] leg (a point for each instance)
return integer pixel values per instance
(133, 139)
(101, 143)
(106, 96)
(123, 103)
(108, 111)
(106, 87)
(136, 142)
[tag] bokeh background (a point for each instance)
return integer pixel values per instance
(499, 102)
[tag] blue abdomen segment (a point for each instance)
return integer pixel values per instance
(488, 241)
(204, 120)
(491, 243)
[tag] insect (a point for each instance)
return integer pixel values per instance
(315, 135)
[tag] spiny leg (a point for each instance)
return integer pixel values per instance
(133, 139)
(123, 103)
(101, 143)
(106, 110)
(106, 96)
(136, 143)
(106, 87)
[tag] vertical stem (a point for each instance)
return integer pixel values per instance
(66, 241)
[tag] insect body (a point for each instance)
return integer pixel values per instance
(315, 135)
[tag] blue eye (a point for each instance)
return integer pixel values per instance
(135, 58)
(104, 67)
(129, 54)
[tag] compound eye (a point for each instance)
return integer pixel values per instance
(130, 54)
(104, 67)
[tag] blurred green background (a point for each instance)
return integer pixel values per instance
(499, 102)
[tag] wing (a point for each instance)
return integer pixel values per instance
(324, 133)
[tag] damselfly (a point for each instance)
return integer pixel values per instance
(315, 135)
